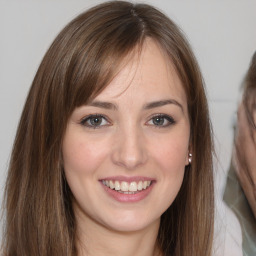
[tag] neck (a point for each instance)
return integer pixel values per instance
(95, 239)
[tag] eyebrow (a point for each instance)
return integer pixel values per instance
(154, 104)
(102, 104)
(161, 103)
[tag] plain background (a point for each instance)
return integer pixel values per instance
(222, 34)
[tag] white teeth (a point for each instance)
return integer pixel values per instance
(139, 187)
(117, 185)
(111, 184)
(125, 187)
(133, 186)
(127, 192)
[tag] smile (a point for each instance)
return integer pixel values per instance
(127, 187)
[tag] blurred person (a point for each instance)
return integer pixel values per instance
(240, 191)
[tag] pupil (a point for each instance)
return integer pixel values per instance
(158, 120)
(96, 120)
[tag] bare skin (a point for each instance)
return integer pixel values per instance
(137, 129)
(110, 242)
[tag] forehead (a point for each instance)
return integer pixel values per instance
(148, 74)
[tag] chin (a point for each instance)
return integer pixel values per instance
(131, 222)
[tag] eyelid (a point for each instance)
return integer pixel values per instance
(169, 118)
(86, 118)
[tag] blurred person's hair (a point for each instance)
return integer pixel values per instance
(249, 95)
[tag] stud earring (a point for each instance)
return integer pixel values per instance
(190, 158)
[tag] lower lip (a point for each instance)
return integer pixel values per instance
(127, 198)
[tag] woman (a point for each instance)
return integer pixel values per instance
(102, 162)
(240, 191)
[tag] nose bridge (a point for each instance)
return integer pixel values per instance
(130, 149)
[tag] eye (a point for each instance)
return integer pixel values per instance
(161, 120)
(95, 121)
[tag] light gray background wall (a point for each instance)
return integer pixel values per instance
(222, 34)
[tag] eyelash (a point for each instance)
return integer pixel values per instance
(164, 118)
(89, 118)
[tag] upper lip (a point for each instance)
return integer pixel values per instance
(128, 179)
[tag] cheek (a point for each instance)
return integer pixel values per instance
(171, 154)
(170, 158)
(172, 166)
(80, 156)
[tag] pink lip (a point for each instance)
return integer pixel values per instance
(128, 198)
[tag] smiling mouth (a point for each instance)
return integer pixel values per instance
(127, 187)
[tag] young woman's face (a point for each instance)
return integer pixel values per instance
(125, 152)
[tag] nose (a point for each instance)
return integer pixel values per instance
(129, 149)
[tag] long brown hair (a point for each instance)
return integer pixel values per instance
(79, 64)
